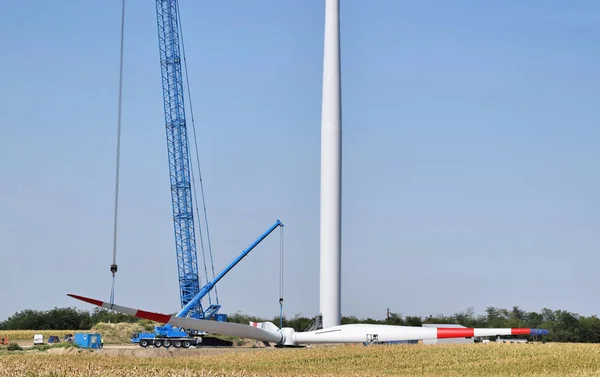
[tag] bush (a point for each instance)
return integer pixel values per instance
(46, 347)
(65, 345)
(41, 347)
(14, 347)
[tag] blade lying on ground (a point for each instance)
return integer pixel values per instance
(215, 327)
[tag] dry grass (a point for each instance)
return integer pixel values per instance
(28, 334)
(116, 333)
(402, 360)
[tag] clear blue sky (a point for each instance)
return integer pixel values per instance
(470, 141)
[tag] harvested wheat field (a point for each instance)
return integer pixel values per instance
(112, 333)
(401, 360)
(28, 334)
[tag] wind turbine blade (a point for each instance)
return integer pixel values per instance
(354, 333)
(215, 327)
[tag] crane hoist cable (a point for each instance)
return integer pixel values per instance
(281, 278)
(113, 266)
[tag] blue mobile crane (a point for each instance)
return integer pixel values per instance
(168, 335)
(191, 295)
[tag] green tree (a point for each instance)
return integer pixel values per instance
(104, 315)
(238, 317)
(548, 315)
(413, 321)
(27, 319)
(347, 320)
(395, 319)
(590, 329)
(534, 320)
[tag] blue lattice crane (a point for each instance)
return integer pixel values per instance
(181, 174)
(182, 190)
(178, 153)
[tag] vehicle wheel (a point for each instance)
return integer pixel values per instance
(177, 344)
(167, 343)
(158, 343)
(186, 344)
(144, 343)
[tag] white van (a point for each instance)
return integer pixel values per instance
(38, 339)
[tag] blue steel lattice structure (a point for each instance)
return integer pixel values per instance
(177, 145)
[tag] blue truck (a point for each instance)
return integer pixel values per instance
(167, 336)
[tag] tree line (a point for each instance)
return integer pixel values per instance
(564, 326)
(62, 319)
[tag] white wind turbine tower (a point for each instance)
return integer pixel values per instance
(331, 171)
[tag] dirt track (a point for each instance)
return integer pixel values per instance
(137, 351)
(134, 350)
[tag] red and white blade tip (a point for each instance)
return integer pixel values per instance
(86, 299)
(157, 317)
(449, 332)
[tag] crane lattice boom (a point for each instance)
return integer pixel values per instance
(177, 145)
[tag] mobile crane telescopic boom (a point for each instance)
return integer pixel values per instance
(211, 284)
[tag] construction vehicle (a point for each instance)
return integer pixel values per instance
(164, 336)
(178, 337)
(182, 179)
(38, 339)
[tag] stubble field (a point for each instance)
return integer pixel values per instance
(550, 359)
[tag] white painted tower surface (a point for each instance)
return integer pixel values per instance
(331, 170)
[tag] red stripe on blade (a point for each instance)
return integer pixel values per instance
(162, 318)
(88, 300)
(454, 333)
(520, 331)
